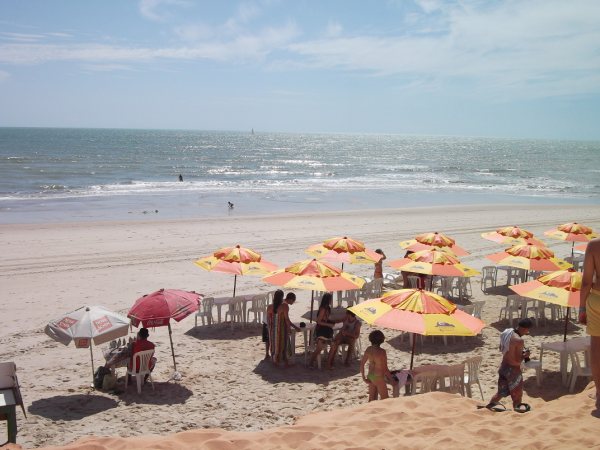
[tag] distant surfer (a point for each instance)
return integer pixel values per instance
(230, 205)
(180, 177)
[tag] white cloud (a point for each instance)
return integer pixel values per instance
(334, 29)
(21, 37)
(156, 10)
(247, 47)
(106, 67)
(4, 76)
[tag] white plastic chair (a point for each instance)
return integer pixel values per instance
(489, 276)
(258, 307)
(513, 307)
(472, 366)
(463, 288)
(446, 287)
(578, 369)
(205, 312)
(140, 367)
(456, 379)
(356, 350)
(424, 382)
(477, 309)
(537, 309)
(236, 311)
(534, 365)
(376, 288)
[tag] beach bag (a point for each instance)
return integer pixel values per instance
(109, 382)
(101, 372)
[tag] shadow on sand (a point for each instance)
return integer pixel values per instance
(301, 374)
(71, 407)
(224, 332)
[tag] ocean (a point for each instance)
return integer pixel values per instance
(54, 175)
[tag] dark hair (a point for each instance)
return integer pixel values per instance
(143, 333)
(379, 251)
(291, 296)
(350, 313)
(277, 299)
(376, 338)
(326, 300)
(525, 323)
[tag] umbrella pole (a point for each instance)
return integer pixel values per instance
(573, 249)
(412, 354)
(234, 283)
(92, 358)
(312, 304)
(567, 322)
(172, 349)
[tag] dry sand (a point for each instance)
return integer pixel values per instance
(226, 387)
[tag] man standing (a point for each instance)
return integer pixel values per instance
(510, 378)
(590, 313)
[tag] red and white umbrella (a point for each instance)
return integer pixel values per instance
(157, 310)
(86, 325)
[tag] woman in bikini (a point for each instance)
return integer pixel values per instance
(324, 327)
(378, 368)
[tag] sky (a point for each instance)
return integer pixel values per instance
(515, 68)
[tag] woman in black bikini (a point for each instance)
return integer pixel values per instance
(324, 328)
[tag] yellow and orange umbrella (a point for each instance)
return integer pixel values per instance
(236, 260)
(572, 232)
(562, 287)
(433, 241)
(314, 275)
(511, 236)
(418, 311)
(529, 257)
(434, 262)
(344, 250)
(581, 247)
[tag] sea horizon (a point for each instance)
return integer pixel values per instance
(90, 174)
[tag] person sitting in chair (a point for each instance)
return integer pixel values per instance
(139, 345)
(347, 335)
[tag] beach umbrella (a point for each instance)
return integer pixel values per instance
(511, 236)
(562, 287)
(433, 241)
(581, 247)
(434, 262)
(236, 260)
(158, 308)
(344, 250)
(314, 275)
(86, 325)
(419, 312)
(572, 232)
(529, 257)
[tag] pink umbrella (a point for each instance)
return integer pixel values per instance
(158, 308)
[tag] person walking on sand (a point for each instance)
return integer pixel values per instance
(378, 368)
(510, 378)
(590, 313)
(378, 273)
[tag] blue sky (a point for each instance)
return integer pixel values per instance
(467, 67)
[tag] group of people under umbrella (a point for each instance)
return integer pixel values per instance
(416, 310)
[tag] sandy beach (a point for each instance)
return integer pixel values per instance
(229, 397)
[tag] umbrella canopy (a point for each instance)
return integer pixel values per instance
(572, 232)
(511, 236)
(434, 262)
(433, 241)
(312, 274)
(344, 250)
(236, 260)
(529, 257)
(86, 325)
(561, 287)
(157, 309)
(581, 247)
(418, 311)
